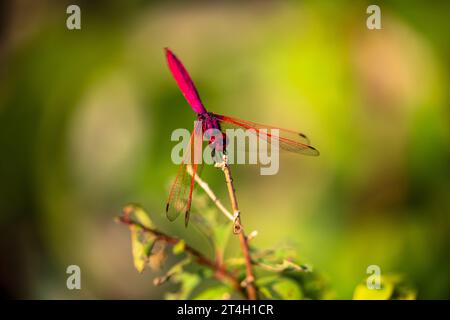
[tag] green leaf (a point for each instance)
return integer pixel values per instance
(187, 281)
(176, 268)
(141, 245)
(217, 292)
(312, 284)
(285, 265)
(392, 287)
(362, 292)
(282, 288)
(143, 217)
(282, 259)
(136, 212)
(179, 247)
(234, 262)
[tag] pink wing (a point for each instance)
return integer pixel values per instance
(289, 140)
(185, 82)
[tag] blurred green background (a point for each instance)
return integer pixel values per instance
(86, 117)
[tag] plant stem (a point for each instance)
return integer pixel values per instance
(250, 278)
(219, 272)
(211, 194)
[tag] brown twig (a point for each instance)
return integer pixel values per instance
(219, 272)
(249, 281)
(250, 278)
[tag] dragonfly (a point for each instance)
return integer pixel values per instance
(180, 194)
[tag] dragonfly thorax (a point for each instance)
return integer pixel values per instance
(212, 131)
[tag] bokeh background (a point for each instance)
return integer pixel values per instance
(86, 118)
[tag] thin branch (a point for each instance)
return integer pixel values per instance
(219, 272)
(236, 218)
(211, 194)
(250, 278)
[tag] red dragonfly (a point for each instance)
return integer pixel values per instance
(180, 196)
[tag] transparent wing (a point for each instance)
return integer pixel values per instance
(180, 195)
(288, 140)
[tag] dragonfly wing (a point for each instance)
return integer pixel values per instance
(185, 82)
(180, 196)
(288, 140)
(179, 192)
(187, 213)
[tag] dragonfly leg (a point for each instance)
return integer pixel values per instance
(218, 155)
(220, 165)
